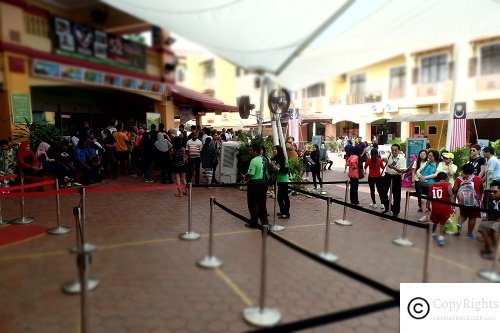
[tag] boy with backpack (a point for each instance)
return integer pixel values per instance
(468, 189)
(441, 212)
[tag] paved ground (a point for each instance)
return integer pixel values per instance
(150, 281)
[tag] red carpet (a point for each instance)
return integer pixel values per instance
(18, 232)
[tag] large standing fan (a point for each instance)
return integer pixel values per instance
(244, 107)
(278, 101)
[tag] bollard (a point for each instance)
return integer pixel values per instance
(59, 230)
(274, 226)
(403, 241)
(492, 275)
(190, 235)
(3, 220)
(23, 219)
(390, 196)
(83, 262)
(326, 254)
(425, 271)
(210, 261)
(344, 221)
(262, 316)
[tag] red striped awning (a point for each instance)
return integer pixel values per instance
(183, 95)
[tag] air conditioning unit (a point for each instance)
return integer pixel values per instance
(376, 108)
(390, 108)
(229, 162)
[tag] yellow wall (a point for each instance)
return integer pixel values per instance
(226, 81)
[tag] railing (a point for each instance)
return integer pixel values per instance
(368, 97)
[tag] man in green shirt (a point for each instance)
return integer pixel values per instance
(257, 188)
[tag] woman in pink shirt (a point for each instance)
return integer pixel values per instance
(376, 167)
(355, 169)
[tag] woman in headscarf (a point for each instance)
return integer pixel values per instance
(48, 164)
(316, 166)
(28, 164)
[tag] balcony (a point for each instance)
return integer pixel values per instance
(433, 93)
(488, 87)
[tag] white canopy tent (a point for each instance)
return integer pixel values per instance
(304, 42)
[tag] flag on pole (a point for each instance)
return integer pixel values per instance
(459, 126)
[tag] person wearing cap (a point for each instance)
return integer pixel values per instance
(447, 166)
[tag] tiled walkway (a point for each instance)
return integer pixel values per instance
(150, 281)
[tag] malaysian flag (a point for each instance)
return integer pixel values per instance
(459, 126)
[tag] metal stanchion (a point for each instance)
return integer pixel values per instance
(493, 274)
(3, 220)
(210, 261)
(326, 254)
(390, 196)
(344, 221)
(59, 230)
(23, 219)
(322, 190)
(190, 235)
(403, 241)
(427, 254)
(274, 226)
(83, 282)
(89, 247)
(261, 315)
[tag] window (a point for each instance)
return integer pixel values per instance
(180, 75)
(490, 59)
(434, 69)
(432, 130)
(208, 70)
(358, 84)
(316, 90)
(397, 78)
(416, 130)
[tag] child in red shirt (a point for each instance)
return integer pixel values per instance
(441, 211)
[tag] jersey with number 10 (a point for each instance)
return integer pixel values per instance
(440, 191)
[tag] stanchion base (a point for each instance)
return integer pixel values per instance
(189, 235)
(261, 317)
(489, 275)
(276, 227)
(210, 262)
(403, 242)
(23, 220)
(74, 287)
(87, 247)
(4, 220)
(59, 230)
(328, 256)
(343, 222)
(323, 192)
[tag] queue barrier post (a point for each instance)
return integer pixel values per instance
(83, 283)
(428, 241)
(23, 219)
(326, 254)
(403, 241)
(493, 274)
(261, 315)
(189, 234)
(274, 226)
(344, 220)
(83, 207)
(210, 261)
(59, 230)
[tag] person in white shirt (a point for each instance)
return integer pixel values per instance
(193, 148)
(394, 168)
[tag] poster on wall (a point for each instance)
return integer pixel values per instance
(93, 77)
(413, 147)
(21, 108)
(71, 73)
(47, 69)
(152, 118)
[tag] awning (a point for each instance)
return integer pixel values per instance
(419, 117)
(186, 96)
(484, 114)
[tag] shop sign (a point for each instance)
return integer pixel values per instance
(84, 42)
